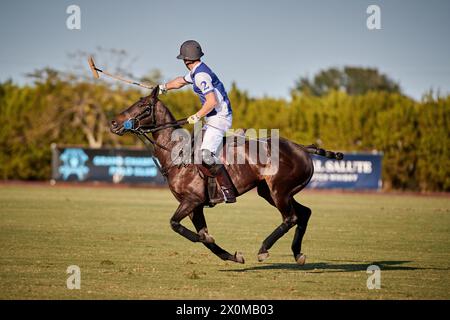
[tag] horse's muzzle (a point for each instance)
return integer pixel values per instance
(116, 128)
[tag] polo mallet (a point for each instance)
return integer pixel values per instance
(96, 70)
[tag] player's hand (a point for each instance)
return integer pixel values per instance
(193, 119)
(162, 88)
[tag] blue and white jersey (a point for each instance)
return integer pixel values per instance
(204, 81)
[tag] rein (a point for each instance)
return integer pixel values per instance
(134, 126)
(145, 130)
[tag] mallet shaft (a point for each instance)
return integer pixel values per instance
(96, 70)
(124, 80)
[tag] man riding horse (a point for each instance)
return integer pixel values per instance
(216, 108)
(278, 187)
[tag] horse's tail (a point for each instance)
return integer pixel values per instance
(313, 149)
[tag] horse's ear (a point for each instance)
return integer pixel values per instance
(154, 94)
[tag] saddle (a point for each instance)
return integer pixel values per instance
(213, 189)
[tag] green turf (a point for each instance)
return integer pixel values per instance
(122, 241)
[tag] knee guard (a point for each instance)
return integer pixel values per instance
(208, 158)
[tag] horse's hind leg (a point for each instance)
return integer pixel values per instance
(289, 220)
(198, 219)
(264, 192)
(303, 213)
(280, 231)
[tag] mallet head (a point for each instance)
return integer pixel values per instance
(93, 68)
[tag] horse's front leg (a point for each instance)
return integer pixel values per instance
(183, 210)
(199, 221)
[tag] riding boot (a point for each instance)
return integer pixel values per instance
(218, 170)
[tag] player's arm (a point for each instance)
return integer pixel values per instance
(209, 104)
(204, 82)
(176, 83)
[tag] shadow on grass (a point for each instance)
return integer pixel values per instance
(320, 267)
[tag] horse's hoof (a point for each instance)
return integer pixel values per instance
(301, 259)
(239, 257)
(263, 256)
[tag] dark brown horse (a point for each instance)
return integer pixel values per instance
(295, 170)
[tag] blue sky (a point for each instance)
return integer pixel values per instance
(262, 45)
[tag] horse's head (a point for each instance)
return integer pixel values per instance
(140, 113)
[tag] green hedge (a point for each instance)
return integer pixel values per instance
(414, 136)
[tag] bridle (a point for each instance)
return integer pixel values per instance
(133, 125)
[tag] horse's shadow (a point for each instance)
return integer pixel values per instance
(334, 266)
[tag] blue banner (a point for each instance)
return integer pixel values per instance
(355, 171)
(108, 165)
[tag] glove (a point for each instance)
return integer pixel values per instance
(193, 119)
(162, 88)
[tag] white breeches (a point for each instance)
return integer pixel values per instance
(216, 126)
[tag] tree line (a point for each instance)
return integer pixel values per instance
(340, 115)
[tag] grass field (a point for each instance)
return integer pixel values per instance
(122, 241)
